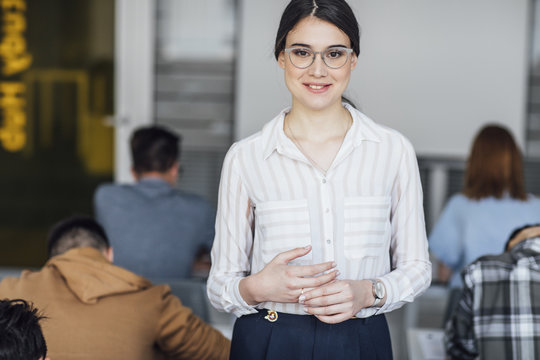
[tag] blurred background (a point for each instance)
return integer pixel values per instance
(78, 76)
(57, 90)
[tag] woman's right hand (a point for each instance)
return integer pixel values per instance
(281, 282)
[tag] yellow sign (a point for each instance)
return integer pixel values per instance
(15, 59)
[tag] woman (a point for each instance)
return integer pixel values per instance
(493, 203)
(320, 213)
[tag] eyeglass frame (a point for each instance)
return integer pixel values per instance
(321, 53)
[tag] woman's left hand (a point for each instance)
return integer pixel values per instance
(339, 300)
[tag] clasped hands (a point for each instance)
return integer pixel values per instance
(315, 286)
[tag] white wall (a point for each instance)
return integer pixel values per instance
(260, 89)
(185, 34)
(436, 70)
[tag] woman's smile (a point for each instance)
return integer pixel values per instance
(317, 88)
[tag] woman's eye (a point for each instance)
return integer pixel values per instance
(301, 52)
(334, 54)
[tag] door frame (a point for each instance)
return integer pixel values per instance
(135, 26)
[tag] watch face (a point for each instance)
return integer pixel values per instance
(379, 289)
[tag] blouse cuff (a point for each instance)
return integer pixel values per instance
(242, 308)
(380, 310)
(391, 297)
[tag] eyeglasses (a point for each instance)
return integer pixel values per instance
(334, 57)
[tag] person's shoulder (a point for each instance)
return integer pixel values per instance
(26, 276)
(162, 290)
(259, 139)
(6, 283)
(268, 129)
(457, 205)
(107, 190)
(490, 259)
(161, 287)
(458, 199)
(492, 264)
(193, 199)
(244, 144)
(533, 199)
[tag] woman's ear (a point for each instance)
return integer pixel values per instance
(281, 59)
(354, 61)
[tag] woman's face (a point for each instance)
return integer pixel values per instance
(318, 86)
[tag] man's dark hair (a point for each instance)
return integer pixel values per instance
(154, 148)
(74, 232)
(517, 231)
(20, 333)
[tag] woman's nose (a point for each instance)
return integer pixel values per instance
(318, 68)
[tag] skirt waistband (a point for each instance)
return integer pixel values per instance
(275, 316)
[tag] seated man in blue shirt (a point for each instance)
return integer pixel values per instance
(156, 230)
(498, 314)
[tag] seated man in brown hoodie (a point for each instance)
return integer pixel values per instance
(96, 310)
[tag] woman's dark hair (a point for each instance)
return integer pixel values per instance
(336, 12)
(495, 166)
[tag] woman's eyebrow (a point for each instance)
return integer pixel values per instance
(309, 46)
(302, 45)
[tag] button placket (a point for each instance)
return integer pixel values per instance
(327, 221)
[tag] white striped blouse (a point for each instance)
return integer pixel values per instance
(366, 214)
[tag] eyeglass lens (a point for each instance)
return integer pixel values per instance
(304, 57)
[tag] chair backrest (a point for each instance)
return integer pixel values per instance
(192, 293)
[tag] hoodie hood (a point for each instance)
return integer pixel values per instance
(90, 276)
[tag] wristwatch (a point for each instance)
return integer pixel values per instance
(379, 291)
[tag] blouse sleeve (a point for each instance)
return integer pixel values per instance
(411, 269)
(233, 241)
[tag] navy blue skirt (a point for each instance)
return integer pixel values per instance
(304, 337)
